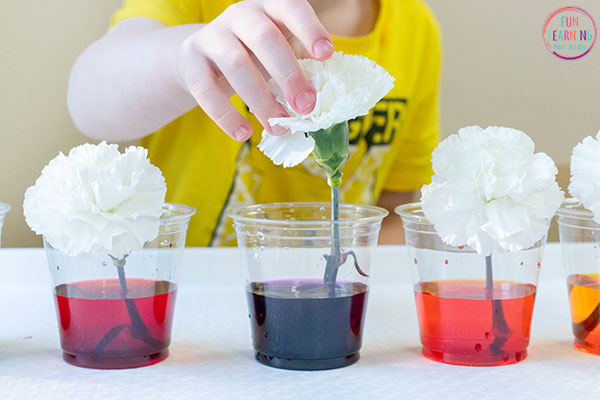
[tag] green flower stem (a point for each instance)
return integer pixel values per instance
(334, 259)
(335, 216)
(331, 153)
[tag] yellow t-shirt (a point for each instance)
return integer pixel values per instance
(390, 147)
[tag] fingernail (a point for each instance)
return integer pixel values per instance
(278, 130)
(323, 48)
(241, 133)
(305, 102)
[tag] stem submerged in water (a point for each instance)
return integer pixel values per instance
(500, 329)
(137, 329)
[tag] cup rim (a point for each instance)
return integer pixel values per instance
(412, 212)
(4, 208)
(183, 213)
(573, 208)
(239, 214)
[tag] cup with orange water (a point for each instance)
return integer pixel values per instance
(580, 243)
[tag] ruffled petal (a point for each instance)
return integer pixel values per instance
(97, 200)
(585, 174)
(289, 149)
(347, 87)
(490, 191)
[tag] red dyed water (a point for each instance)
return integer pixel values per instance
(457, 324)
(99, 328)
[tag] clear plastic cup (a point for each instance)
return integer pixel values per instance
(115, 314)
(580, 242)
(304, 315)
(4, 208)
(467, 315)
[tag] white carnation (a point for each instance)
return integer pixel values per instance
(490, 191)
(347, 86)
(97, 199)
(585, 174)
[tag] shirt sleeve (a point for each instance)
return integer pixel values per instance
(169, 12)
(412, 168)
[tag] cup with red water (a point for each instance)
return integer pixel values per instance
(467, 316)
(115, 314)
(307, 303)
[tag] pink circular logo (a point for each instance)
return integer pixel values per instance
(569, 33)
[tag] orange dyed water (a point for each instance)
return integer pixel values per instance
(584, 299)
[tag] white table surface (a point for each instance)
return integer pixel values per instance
(212, 358)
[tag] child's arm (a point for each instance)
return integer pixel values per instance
(392, 231)
(141, 75)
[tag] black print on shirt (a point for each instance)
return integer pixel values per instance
(381, 124)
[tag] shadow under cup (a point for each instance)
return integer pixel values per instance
(301, 319)
(115, 314)
(472, 310)
(580, 245)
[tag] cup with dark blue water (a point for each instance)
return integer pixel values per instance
(306, 291)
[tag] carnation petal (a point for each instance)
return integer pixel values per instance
(490, 191)
(97, 199)
(503, 218)
(289, 149)
(347, 86)
(585, 174)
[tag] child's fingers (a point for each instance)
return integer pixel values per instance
(273, 51)
(299, 17)
(221, 56)
(236, 64)
(202, 83)
(223, 84)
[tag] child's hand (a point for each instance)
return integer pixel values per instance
(227, 56)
